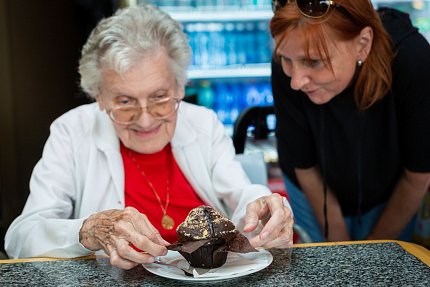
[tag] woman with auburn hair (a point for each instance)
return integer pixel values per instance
(352, 102)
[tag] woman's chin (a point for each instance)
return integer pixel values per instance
(147, 144)
(143, 135)
(147, 148)
(319, 100)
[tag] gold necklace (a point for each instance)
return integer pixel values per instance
(167, 222)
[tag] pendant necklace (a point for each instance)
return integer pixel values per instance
(167, 222)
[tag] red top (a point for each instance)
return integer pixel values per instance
(157, 168)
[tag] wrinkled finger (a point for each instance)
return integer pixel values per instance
(270, 231)
(253, 212)
(125, 251)
(116, 260)
(280, 220)
(139, 222)
(280, 216)
(108, 249)
(278, 243)
(147, 238)
(274, 202)
(136, 229)
(147, 245)
(283, 240)
(146, 228)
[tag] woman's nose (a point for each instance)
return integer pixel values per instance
(299, 79)
(145, 119)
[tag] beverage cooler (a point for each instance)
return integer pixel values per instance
(231, 53)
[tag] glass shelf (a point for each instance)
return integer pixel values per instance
(242, 71)
(220, 15)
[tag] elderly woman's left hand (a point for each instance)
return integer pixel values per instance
(276, 218)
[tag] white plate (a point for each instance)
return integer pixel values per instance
(237, 265)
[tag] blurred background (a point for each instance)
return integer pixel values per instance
(40, 43)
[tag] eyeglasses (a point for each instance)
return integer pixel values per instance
(157, 109)
(309, 8)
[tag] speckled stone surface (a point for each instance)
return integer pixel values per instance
(379, 264)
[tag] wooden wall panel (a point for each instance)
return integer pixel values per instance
(40, 44)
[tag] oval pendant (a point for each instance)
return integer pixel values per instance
(167, 222)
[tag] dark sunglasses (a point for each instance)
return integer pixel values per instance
(309, 8)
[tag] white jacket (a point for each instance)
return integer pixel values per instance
(81, 172)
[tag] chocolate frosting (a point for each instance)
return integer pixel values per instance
(204, 222)
(204, 227)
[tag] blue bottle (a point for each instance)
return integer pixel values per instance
(219, 104)
(230, 43)
(189, 29)
(263, 42)
(235, 103)
(201, 45)
(265, 90)
(252, 95)
(216, 45)
(251, 49)
(241, 45)
(223, 103)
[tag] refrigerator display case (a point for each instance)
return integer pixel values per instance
(232, 49)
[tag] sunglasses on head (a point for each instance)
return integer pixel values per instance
(309, 8)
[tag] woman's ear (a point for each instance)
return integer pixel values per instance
(100, 102)
(364, 43)
(181, 93)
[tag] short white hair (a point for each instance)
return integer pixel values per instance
(133, 33)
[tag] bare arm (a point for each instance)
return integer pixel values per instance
(312, 185)
(402, 205)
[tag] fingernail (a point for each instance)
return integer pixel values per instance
(248, 225)
(264, 235)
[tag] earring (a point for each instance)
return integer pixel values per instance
(359, 63)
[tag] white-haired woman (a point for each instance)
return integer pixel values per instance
(121, 174)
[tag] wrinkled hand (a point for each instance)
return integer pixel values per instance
(114, 230)
(276, 218)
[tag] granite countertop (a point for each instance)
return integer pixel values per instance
(376, 264)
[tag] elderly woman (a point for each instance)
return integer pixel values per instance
(121, 174)
(352, 99)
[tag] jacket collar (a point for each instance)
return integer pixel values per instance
(105, 136)
(187, 152)
(107, 141)
(184, 132)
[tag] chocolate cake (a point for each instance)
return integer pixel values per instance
(206, 237)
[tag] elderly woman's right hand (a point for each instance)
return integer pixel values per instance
(115, 230)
